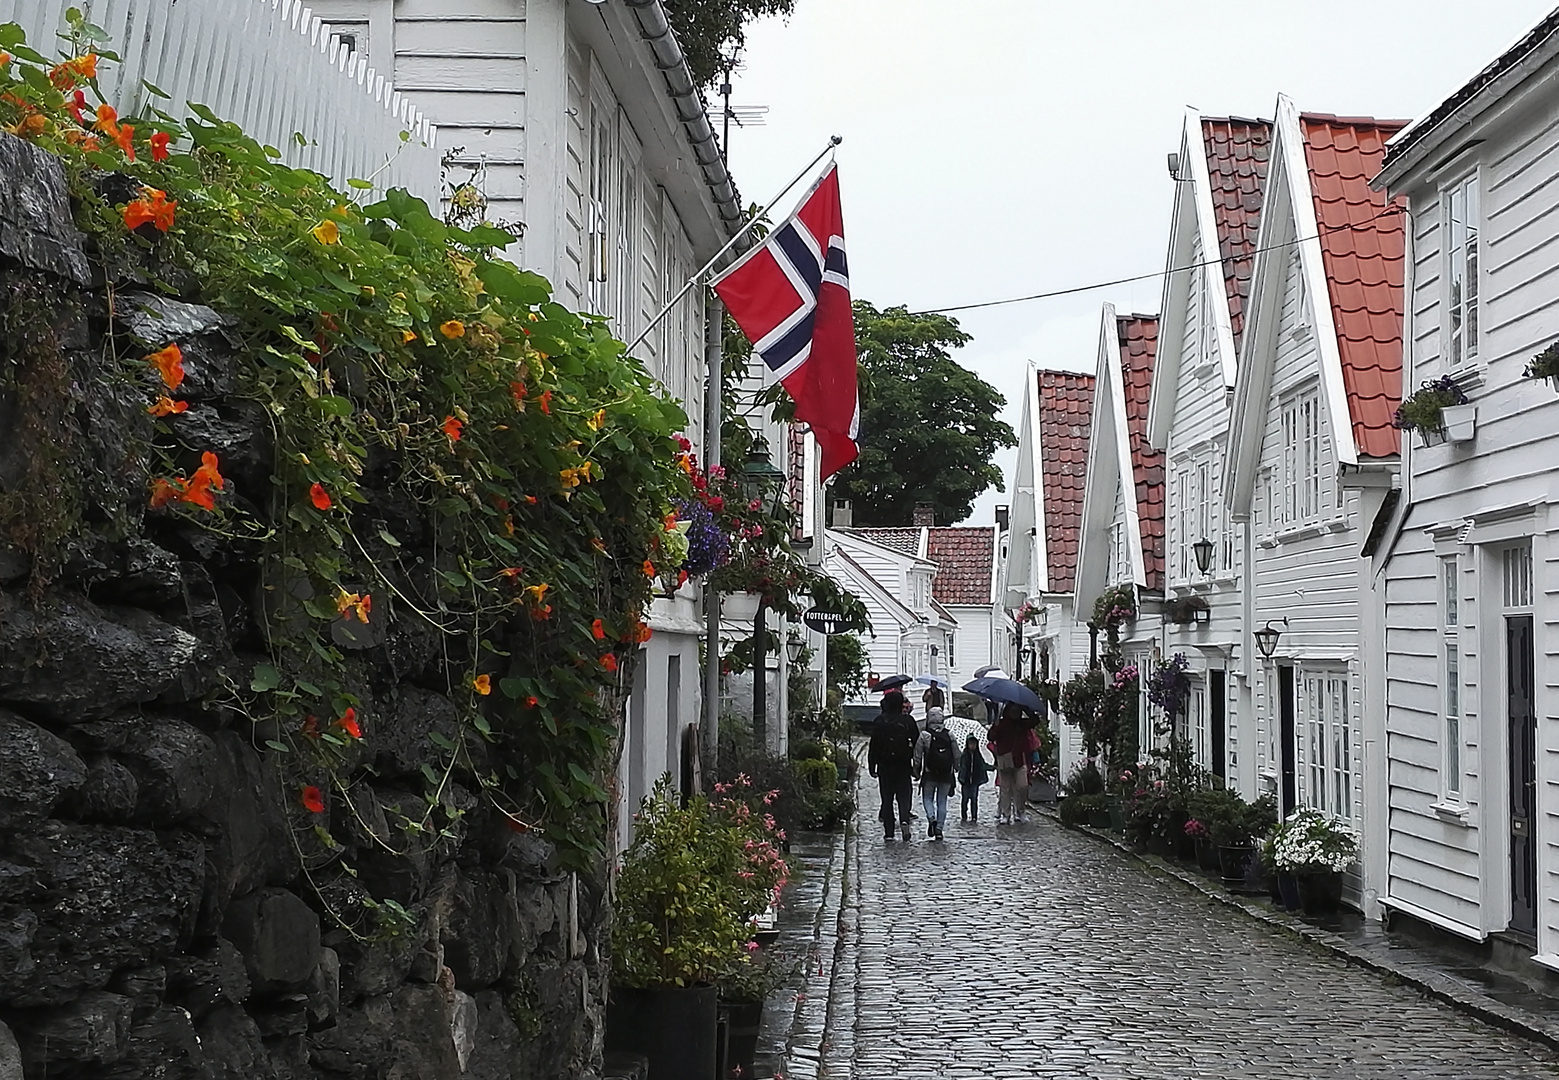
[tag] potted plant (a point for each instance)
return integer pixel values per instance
(1216, 813)
(1234, 835)
(1424, 410)
(1545, 365)
(695, 877)
(1169, 687)
(743, 991)
(1315, 850)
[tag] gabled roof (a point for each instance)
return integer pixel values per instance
(895, 607)
(1138, 341)
(905, 541)
(966, 563)
(1065, 410)
(1237, 156)
(1362, 252)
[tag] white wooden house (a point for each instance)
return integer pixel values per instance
(1471, 568)
(967, 586)
(580, 126)
(1220, 177)
(1046, 515)
(1313, 458)
(1120, 541)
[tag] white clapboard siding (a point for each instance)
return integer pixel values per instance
(271, 67)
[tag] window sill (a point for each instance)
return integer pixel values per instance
(1470, 376)
(1455, 813)
(1307, 531)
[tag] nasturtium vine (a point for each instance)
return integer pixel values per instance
(454, 455)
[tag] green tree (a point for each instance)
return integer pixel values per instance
(710, 31)
(846, 665)
(930, 427)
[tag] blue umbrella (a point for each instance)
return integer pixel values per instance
(1005, 691)
(932, 680)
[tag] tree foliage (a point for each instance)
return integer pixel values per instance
(710, 31)
(929, 426)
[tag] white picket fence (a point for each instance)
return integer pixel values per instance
(269, 66)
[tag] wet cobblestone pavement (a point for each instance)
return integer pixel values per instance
(1031, 951)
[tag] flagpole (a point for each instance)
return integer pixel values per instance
(833, 141)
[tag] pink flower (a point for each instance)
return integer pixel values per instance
(752, 946)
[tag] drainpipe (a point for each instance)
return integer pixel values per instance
(689, 103)
(709, 728)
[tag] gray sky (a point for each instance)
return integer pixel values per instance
(997, 148)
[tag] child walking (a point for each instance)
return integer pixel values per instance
(973, 772)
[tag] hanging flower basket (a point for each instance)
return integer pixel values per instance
(1423, 410)
(1545, 365)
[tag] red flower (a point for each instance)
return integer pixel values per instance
(598, 629)
(310, 727)
(546, 402)
(160, 146)
(312, 800)
(517, 389)
(166, 406)
(348, 723)
(153, 206)
(532, 701)
(78, 107)
(452, 428)
(319, 497)
(206, 480)
(609, 662)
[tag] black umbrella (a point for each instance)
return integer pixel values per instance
(1005, 691)
(893, 682)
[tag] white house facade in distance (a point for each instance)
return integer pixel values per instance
(1121, 539)
(1046, 517)
(580, 127)
(967, 585)
(1313, 460)
(1471, 569)
(1220, 179)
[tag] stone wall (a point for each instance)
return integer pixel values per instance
(166, 906)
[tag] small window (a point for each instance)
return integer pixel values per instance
(1462, 216)
(1302, 461)
(1451, 669)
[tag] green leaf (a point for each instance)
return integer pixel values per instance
(155, 91)
(360, 185)
(332, 405)
(440, 740)
(388, 539)
(279, 747)
(514, 689)
(265, 678)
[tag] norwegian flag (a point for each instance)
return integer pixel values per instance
(791, 297)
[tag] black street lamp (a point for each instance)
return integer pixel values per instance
(1203, 550)
(759, 476)
(1267, 639)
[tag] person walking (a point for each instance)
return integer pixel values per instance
(936, 763)
(890, 758)
(933, 698)
(1011, 742)
(973, 773)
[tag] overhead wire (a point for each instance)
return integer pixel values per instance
(1391, 208)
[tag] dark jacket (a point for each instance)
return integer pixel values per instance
(973, 770)
(892, 747)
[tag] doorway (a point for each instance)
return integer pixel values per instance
(1521, 715)
(1286, 736)
(1217, 689)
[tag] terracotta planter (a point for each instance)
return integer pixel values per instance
(1320, 893)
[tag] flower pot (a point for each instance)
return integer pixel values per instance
(1288, 890)
(1428, 437)
(1042, 791)
(676, 1027)
(742, 1020)
(1233, 864)
(1099, 818)
(1206, 855)
(1320, 892)
(1553, 380)
(1160, 845)
(1461, 421)
(1118, 814)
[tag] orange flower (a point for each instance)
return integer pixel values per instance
(543, 612)
(482, 684)
(408, 336)
(546, 402)
(511, 572)
(89, 143)
(649, 568)
(609, 662)
(5, 58)
(28, 126)
(205, 481)
(319, 497)
(517, 390)
(349, 724)
(66, 74)
(642, 633)
(530, 500)
(354, 604)
(107, 121)
(160, 146)
(166, 406)
(454, 328)
(125, 137)
(598, 629)
(598, 421)
(597, 545)
(154, 207)
(537, 594)
(312, 800)
(452, 426)
(165, 492)
(169, 362)
(327, 232)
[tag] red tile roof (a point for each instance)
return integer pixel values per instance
(965, 559)
(1065, 410)
(906, 541)
(1362, 251)
(1237, 154)
(1139, 341)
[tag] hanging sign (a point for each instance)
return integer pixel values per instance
(824, 621)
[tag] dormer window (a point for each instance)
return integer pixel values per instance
(1461, 213)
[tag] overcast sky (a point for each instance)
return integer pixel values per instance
(997, 148)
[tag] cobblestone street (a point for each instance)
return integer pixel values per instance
(1031, 951)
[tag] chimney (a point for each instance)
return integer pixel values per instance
(843, 513)
(925, 516)
(1003, 518)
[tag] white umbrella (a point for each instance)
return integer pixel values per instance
(994, 671)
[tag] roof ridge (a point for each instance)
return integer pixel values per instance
(1354, 121)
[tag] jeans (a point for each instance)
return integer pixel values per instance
(969, 805)
(1013, 796)
(933, 798)
(894, 784)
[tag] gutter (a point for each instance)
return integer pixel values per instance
(657, 33)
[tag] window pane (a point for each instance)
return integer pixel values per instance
(1448, 575)
(1453, 755)
(1453, 691)
(1470, 285)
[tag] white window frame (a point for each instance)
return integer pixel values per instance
(1451, 709)
(1302, 458)
(1329, 762)
(1461, 217)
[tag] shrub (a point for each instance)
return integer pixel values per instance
(1310, 842)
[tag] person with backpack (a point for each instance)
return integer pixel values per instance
(890, 758)
(973, 773)
(936, 763)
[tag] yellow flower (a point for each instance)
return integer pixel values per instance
(537, 594)
(327, 232)
(408, 336)
(482, 684)
(598, 421)
(453, 328)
